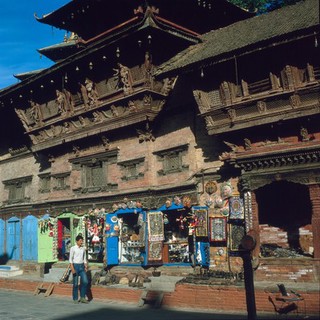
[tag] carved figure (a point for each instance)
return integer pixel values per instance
(114, 111)
(105, 142)
(247, 144)
(145, 135)
(61, 102)
(66, 127)
(131, 106)
(35, 112)
(168, 84)
(97, 116)
(125, 78)
(22, 116)
(295, 101)
(234, 147)
(148, 70)
(304, 134)
(232, 114)
(89, 93)
(262, 106)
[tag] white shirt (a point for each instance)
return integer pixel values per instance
(78, 255)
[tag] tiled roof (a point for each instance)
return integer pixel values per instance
(245, 34)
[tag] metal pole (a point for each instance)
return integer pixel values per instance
(249, 286)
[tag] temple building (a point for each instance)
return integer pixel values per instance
(165, 132)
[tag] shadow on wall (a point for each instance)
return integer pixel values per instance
(5, 257)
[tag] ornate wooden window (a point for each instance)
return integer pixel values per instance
(132, 169)
(45, 183)
(17, 188)
(94, 174)
(61, 181)
(94, 171)
(172, 159)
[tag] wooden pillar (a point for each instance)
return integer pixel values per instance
(314, 192)
(255, 223)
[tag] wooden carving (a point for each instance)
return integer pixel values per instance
(125, 80)
(89, 93)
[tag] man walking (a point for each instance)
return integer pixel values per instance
(79, 267)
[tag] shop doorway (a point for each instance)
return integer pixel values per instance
(69, 226)
(285, 220)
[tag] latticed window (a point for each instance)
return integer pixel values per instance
(17, 188)
(93, 169)
(172, 160)
(16, 191)
(132, 170)
(94, 175)
(61, 181)
(45, 183)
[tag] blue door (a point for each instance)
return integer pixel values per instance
(13, 238)
(30, 238)
(2, 251)
(112, 239)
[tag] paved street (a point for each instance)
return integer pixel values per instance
(16, 305)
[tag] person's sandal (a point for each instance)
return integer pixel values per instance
(83, 300)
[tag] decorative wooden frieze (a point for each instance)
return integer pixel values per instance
(274, 161)
(207, 100)
(65, 113)
(14, 152)
(270, 96)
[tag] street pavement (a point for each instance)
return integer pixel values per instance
(20, 305)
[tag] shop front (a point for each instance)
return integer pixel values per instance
(47, 239)
(174, 234)
(94, 234)
(69, 225)
(2, 237)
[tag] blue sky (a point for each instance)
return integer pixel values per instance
(21, 35)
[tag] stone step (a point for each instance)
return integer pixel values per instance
(163, 283)
(54, 274)
(7, 271)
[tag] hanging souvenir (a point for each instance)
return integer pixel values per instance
(236, 208)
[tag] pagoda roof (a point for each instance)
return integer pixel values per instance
(89, 18)
(247, 35)
(107, 39)
(26, 75)
(61, 51)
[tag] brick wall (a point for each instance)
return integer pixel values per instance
(229, 298)
(275, 269)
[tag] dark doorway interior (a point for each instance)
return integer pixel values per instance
(285, 217)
